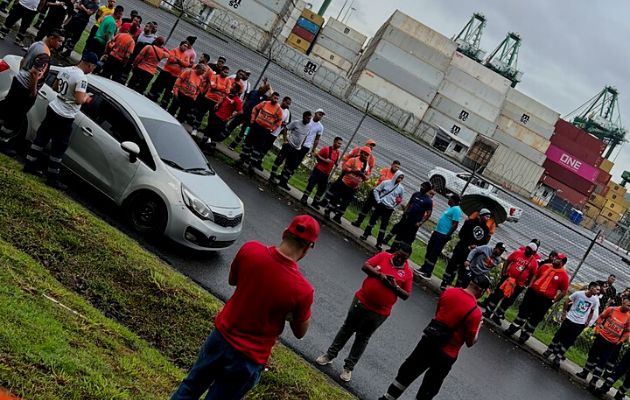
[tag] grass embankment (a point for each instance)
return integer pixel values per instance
(141, 319)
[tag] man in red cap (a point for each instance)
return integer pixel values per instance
(269, 291)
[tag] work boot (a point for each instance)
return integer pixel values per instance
(522, 338)
(603, 389)
(619, 395)
(511, 330)
(555, 364)
(487, 314)
(304, 200)
(337, 218)
(583, 374)
(496, 319)
(284, 186)
(358, 222)
(273, 178)
(55, 183)
(31, 168)
(547, 353)
(364, 237)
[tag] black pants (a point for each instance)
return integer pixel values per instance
(367, 206)
(530, 313)
(93, 31)
(317, 179)
(49, 24)
(622, 368)
(289, 156)
(140, 80)
(215, 129)
(601, 357)
(565, 337)
(359, 321)
(18, 13)
(497, 303)
(73, 31)
(406, 229)
(15, 106)
(241, 120)
(382, 213)
(95, 47)
(424, 358)
(202, 106)
(182, 103)
(339, 197)
(55, 130)
(455, 263)
(251, 149)
(113, 69)
(436, 244)
(163, 86)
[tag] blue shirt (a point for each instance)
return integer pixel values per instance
(418, 205)
(453, 214)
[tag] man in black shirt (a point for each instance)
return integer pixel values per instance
(609, 296)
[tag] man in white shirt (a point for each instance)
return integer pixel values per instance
(71, 87)
(293, 136)
(577, 314)
(23, 11)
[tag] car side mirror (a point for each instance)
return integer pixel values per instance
(132, 149)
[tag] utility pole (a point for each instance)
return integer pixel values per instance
(588, 251)
(474, 173)
(324, 7)
(179, 17)
(345, 3)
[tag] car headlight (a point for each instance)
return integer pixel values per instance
(195, 205)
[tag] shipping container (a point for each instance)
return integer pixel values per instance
(591, 211)
(611, 215)
(481, 73)
(601, 190)
(588, 223)
(391, 93)
(528, 120)
(391, 73)
(303, 33)
(474, 86)
(616, 188)
(308, 25)
(522, 134)
(581, 139)
(513, 171)
(336, 48)
(567, 177)
(605, 223)
(469, 101)
(253, 12)
(331, 58)
(606, 165)
(532, 106)
(408, 62)
(422, 32)
(342, 40)
(603, 178)
(297, 42)
(597, 200)
(465, 116)
(437, 119)
(277, 6)
(338, 26)
(577, 150)
(313, 16)
(521, 148)
(563, 191)
(616, 207)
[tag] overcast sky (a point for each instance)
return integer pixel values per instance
(570, 49)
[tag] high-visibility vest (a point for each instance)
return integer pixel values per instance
(172, 66)
(350, 179)
(122, 46)
(217, 88)
(149, 58)
(189, 83)
(267, 115)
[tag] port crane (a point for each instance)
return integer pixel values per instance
(469, 38)
(503, 60)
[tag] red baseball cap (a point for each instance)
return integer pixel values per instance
(305, 227)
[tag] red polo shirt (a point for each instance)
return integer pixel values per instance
(521, 267)
(549, 280)
(269, 288)
(377, 297)
(329, 153)
(227, 107)
(452, 306)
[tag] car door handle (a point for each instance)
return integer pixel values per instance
(42, 94)
(87, 131)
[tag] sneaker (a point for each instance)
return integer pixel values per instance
(194, 132)
(346, 375)
(583, 374)
(510, 331)
(547, 354)
(272, 178)
(304, 200)
(364, 237)
(324, 360)
(283, 185)
(2, 35)
(19, 42)
(522, 339)
(555, 364)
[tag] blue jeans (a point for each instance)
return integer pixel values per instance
(220, 369)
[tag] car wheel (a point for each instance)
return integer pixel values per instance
(147, 213)
(439, 184)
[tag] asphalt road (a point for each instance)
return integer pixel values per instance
(493, 369)
(417, 161)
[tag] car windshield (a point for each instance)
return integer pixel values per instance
(176, 148)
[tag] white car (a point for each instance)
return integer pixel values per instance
(445, 181)
(138, 155)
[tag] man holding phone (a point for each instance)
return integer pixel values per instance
(388, 278)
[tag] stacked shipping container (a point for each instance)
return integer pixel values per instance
(338, 46)
(305, 30)
(404, 63)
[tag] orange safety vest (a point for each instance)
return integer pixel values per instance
(122, 46)
(218, 88)
(267, 115)
(189, 83)
(349, 178)
(149, 58)
(174, 62)
(355, 153)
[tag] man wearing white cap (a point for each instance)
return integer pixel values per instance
(518, 272)
(312, 140)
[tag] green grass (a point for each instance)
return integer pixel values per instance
(127, 285)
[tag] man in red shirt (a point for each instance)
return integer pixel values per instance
(385, 174)
(457, 310)
(230, 106)
(518, 272)
(327, 158)
(270, 290)
(550, 285)
(389, 277)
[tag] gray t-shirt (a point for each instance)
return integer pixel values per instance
(296, 133)
(37, 56)
(581, 306)
(482, 260)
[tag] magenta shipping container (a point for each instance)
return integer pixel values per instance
(572, 163)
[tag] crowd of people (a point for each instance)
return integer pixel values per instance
(217, 104)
